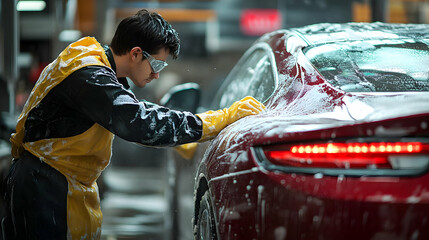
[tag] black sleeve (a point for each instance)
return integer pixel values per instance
(100, 96)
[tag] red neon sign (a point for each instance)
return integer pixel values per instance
(256, 22)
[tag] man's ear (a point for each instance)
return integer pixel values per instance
(135, 52)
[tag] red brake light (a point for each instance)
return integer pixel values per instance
(345, 155)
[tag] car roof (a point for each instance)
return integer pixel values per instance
(337, 32)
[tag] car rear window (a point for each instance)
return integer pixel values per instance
(373, 66)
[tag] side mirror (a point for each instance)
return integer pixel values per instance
(183, 97)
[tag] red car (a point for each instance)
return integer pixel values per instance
(342, 151)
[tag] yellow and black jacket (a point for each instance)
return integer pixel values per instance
(71, 116)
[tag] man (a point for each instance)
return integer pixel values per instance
(64, 134)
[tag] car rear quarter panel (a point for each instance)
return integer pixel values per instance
(254, 203)
(263, 205)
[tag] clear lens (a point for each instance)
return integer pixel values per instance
(156, 65)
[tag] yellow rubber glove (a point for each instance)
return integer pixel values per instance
(215, 121)
(187, 151)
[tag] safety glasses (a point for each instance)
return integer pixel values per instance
(156, 65)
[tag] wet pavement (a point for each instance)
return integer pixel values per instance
(133, 205)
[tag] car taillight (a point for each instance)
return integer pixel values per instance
(354, 155)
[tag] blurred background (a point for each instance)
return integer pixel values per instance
(214, 34)
(32, 33)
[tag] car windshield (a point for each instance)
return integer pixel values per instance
(373, 66)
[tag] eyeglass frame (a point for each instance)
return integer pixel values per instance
(155, 64)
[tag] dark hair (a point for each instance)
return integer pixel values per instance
(147, 30)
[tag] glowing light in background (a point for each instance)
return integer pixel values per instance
(29, 6)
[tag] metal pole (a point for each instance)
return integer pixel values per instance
(9, 19)
(380, 10)
(101, 7)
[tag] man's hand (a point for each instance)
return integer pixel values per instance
(187, 151)
(215, 121)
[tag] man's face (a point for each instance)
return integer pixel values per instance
(140, 71)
